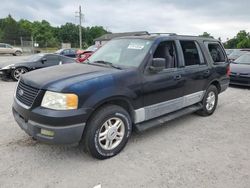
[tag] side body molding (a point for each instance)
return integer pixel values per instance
(156, 110)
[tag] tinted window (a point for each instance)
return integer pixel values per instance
(216, 52)
(52, 58)
(66, 52)
(190, 53)
(166, 50)
(2, 45)
(72, 51)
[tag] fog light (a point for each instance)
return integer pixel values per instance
(47, 132)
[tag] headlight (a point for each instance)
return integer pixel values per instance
(60, 101)
(8, 66)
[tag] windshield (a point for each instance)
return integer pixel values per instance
(92, 48)
(244, 59)
(122, 52)
(237, 53)
(35, 57)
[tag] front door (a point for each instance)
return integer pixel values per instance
(163, 91)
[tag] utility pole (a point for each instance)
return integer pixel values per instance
(80, 15)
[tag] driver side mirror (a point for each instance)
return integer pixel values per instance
(44, 60)
(158, 64)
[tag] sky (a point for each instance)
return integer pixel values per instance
(220, 18)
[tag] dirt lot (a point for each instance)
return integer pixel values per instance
(192, 151)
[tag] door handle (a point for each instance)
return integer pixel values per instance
(177, 77)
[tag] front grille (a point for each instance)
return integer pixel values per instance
(26, 94)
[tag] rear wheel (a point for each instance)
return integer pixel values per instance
(16, 73)
(209, 102)
(107, 132)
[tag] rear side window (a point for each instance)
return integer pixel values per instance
(2, 46)
(216, 52)
(52, 58)
(191, 53)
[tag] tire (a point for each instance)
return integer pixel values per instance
(209, 102)
(110, 122)
(17, 72)
(18, 53)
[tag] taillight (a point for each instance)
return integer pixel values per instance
(228, 70)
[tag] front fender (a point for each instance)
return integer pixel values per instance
(109, 94)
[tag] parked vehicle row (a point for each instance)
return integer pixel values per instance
(130, 83)
(235, 53)
(240, 70)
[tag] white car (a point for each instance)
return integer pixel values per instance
(8, 49)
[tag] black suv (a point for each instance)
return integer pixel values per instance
(130, 83)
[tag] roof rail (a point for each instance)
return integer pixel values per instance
(170, 34)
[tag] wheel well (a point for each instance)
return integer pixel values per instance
(119, 102)
(217, 85)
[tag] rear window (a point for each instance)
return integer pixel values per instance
(216, 52)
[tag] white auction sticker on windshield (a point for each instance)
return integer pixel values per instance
(135, 46)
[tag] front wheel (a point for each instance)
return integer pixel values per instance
(17, 72)
(107, 132)
(18, 53)
(209, 102)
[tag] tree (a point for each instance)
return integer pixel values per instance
(46, 35)
(206, 34)
(10, 30)
(241, 40)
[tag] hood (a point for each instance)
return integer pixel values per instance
(12, 64)
(56, 78)
(240, 68)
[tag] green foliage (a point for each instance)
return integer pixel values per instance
(241, 40)
(206, 34)
(11, 31)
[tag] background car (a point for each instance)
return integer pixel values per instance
(229, 51)
(240, 70)
(82, 55)
(67, 52)
(237, 53)
(37, 61)
(8, 49)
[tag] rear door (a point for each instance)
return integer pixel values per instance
(196, 71)
(163, 91)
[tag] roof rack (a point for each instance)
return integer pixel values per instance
(170, 34)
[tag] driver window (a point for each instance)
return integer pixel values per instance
(166, 50)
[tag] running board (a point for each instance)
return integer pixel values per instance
(163, 119)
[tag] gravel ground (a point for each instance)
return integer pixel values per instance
(191, 151)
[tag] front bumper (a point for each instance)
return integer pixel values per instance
(67, 127)
(61, 135)
(5, 72)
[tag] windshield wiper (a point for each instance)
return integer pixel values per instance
(107, 63)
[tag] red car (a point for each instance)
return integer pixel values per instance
(82, 55)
